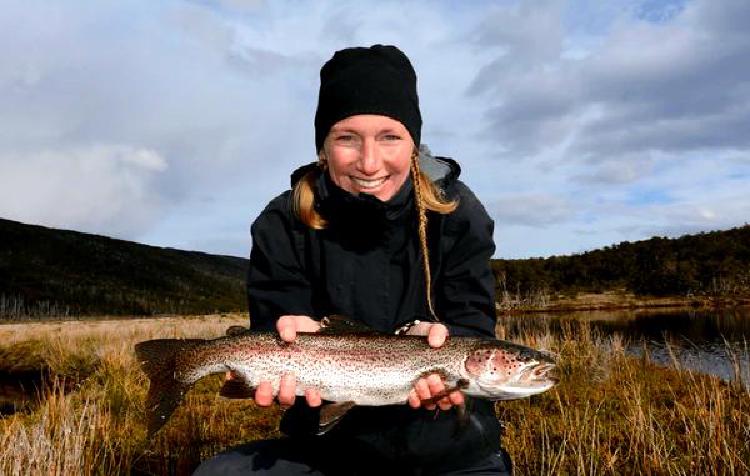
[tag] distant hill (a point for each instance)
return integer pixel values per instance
(46, 272)
(710, 263)
(49, 272)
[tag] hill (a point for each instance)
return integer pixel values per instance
(50, 272)
(45, 272)
(715, 263)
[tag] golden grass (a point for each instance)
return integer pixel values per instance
(611, 414)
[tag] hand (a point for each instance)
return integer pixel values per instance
(430, 386)
(288, 327)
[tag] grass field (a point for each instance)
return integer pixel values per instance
(611, 413)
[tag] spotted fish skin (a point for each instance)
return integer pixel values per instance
(362, 369)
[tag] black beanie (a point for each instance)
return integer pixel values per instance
(375, 80)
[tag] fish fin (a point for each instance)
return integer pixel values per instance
(236, 388)
(237, 330)
(165, 392)
(336, 324)
(331, 413)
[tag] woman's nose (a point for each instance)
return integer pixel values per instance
(369, 161)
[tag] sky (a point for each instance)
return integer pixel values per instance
(578, 124)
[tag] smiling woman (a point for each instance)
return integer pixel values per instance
(366, 233)
(368, 153)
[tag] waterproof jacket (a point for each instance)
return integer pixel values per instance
(366, 265)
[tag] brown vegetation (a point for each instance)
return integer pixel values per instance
(611, 413)
(618, 299)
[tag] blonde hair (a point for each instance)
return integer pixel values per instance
(427, 197)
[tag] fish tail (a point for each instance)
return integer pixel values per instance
(158, 360)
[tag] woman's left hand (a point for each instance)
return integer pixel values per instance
(432, 385)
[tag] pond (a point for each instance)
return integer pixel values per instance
(711, 341)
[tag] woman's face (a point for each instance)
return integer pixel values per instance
(370, 154)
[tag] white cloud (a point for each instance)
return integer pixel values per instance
(531, 210)
(675, 85)
(105, 188)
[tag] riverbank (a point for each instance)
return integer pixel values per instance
(614, 300)
(611, 413)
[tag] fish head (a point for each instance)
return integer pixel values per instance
(500, 370)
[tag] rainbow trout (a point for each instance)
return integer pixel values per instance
(351, 369)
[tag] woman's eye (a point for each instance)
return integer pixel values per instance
(345, 137)
(391, 137)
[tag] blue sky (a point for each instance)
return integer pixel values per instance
(578, 124)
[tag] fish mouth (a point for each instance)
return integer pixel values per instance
(541, 374)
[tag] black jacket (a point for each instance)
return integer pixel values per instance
(366, 265)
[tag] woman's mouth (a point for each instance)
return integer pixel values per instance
(365, 185)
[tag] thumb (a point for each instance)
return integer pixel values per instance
(436, 335)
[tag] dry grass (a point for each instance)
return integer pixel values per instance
(611, 414)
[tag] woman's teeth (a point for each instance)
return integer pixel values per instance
(365, 184)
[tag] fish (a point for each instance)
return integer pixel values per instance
(350, 368)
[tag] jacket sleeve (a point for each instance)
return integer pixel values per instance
(276, 282)
(466, 287)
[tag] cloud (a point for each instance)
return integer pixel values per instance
(621, 170)
(677, 85)
(531, 210)
(105, 188)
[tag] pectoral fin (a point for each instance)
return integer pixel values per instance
(331, 413)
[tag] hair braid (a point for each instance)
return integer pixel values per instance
(416, 176)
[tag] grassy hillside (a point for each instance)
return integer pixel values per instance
(715, 263)
(46, 272)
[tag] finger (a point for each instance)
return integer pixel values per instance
(437, 334)
(422, 389)
(445, 404)
(437, 387)
(287, 328)
(307, 324)
(423, 392)
(312, 395)
(435, 384)
(264, 394)
(414, 400)
(287, 386)
(457, 397)
(229, 375)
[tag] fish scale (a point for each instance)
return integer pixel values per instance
(361, 369)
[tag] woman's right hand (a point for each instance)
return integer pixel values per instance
(288, 327)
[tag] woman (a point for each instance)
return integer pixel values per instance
(365, 232)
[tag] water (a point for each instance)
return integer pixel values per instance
(715, 342)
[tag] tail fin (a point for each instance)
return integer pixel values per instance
(165, 393)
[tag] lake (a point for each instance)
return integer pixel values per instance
(711, 341)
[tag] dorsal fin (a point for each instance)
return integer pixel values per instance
(237, 330)
(336, 324)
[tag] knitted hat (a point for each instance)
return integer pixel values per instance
(375, 80)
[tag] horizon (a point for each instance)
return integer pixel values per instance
(168, 247)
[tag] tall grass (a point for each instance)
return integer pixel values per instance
(611, 413)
